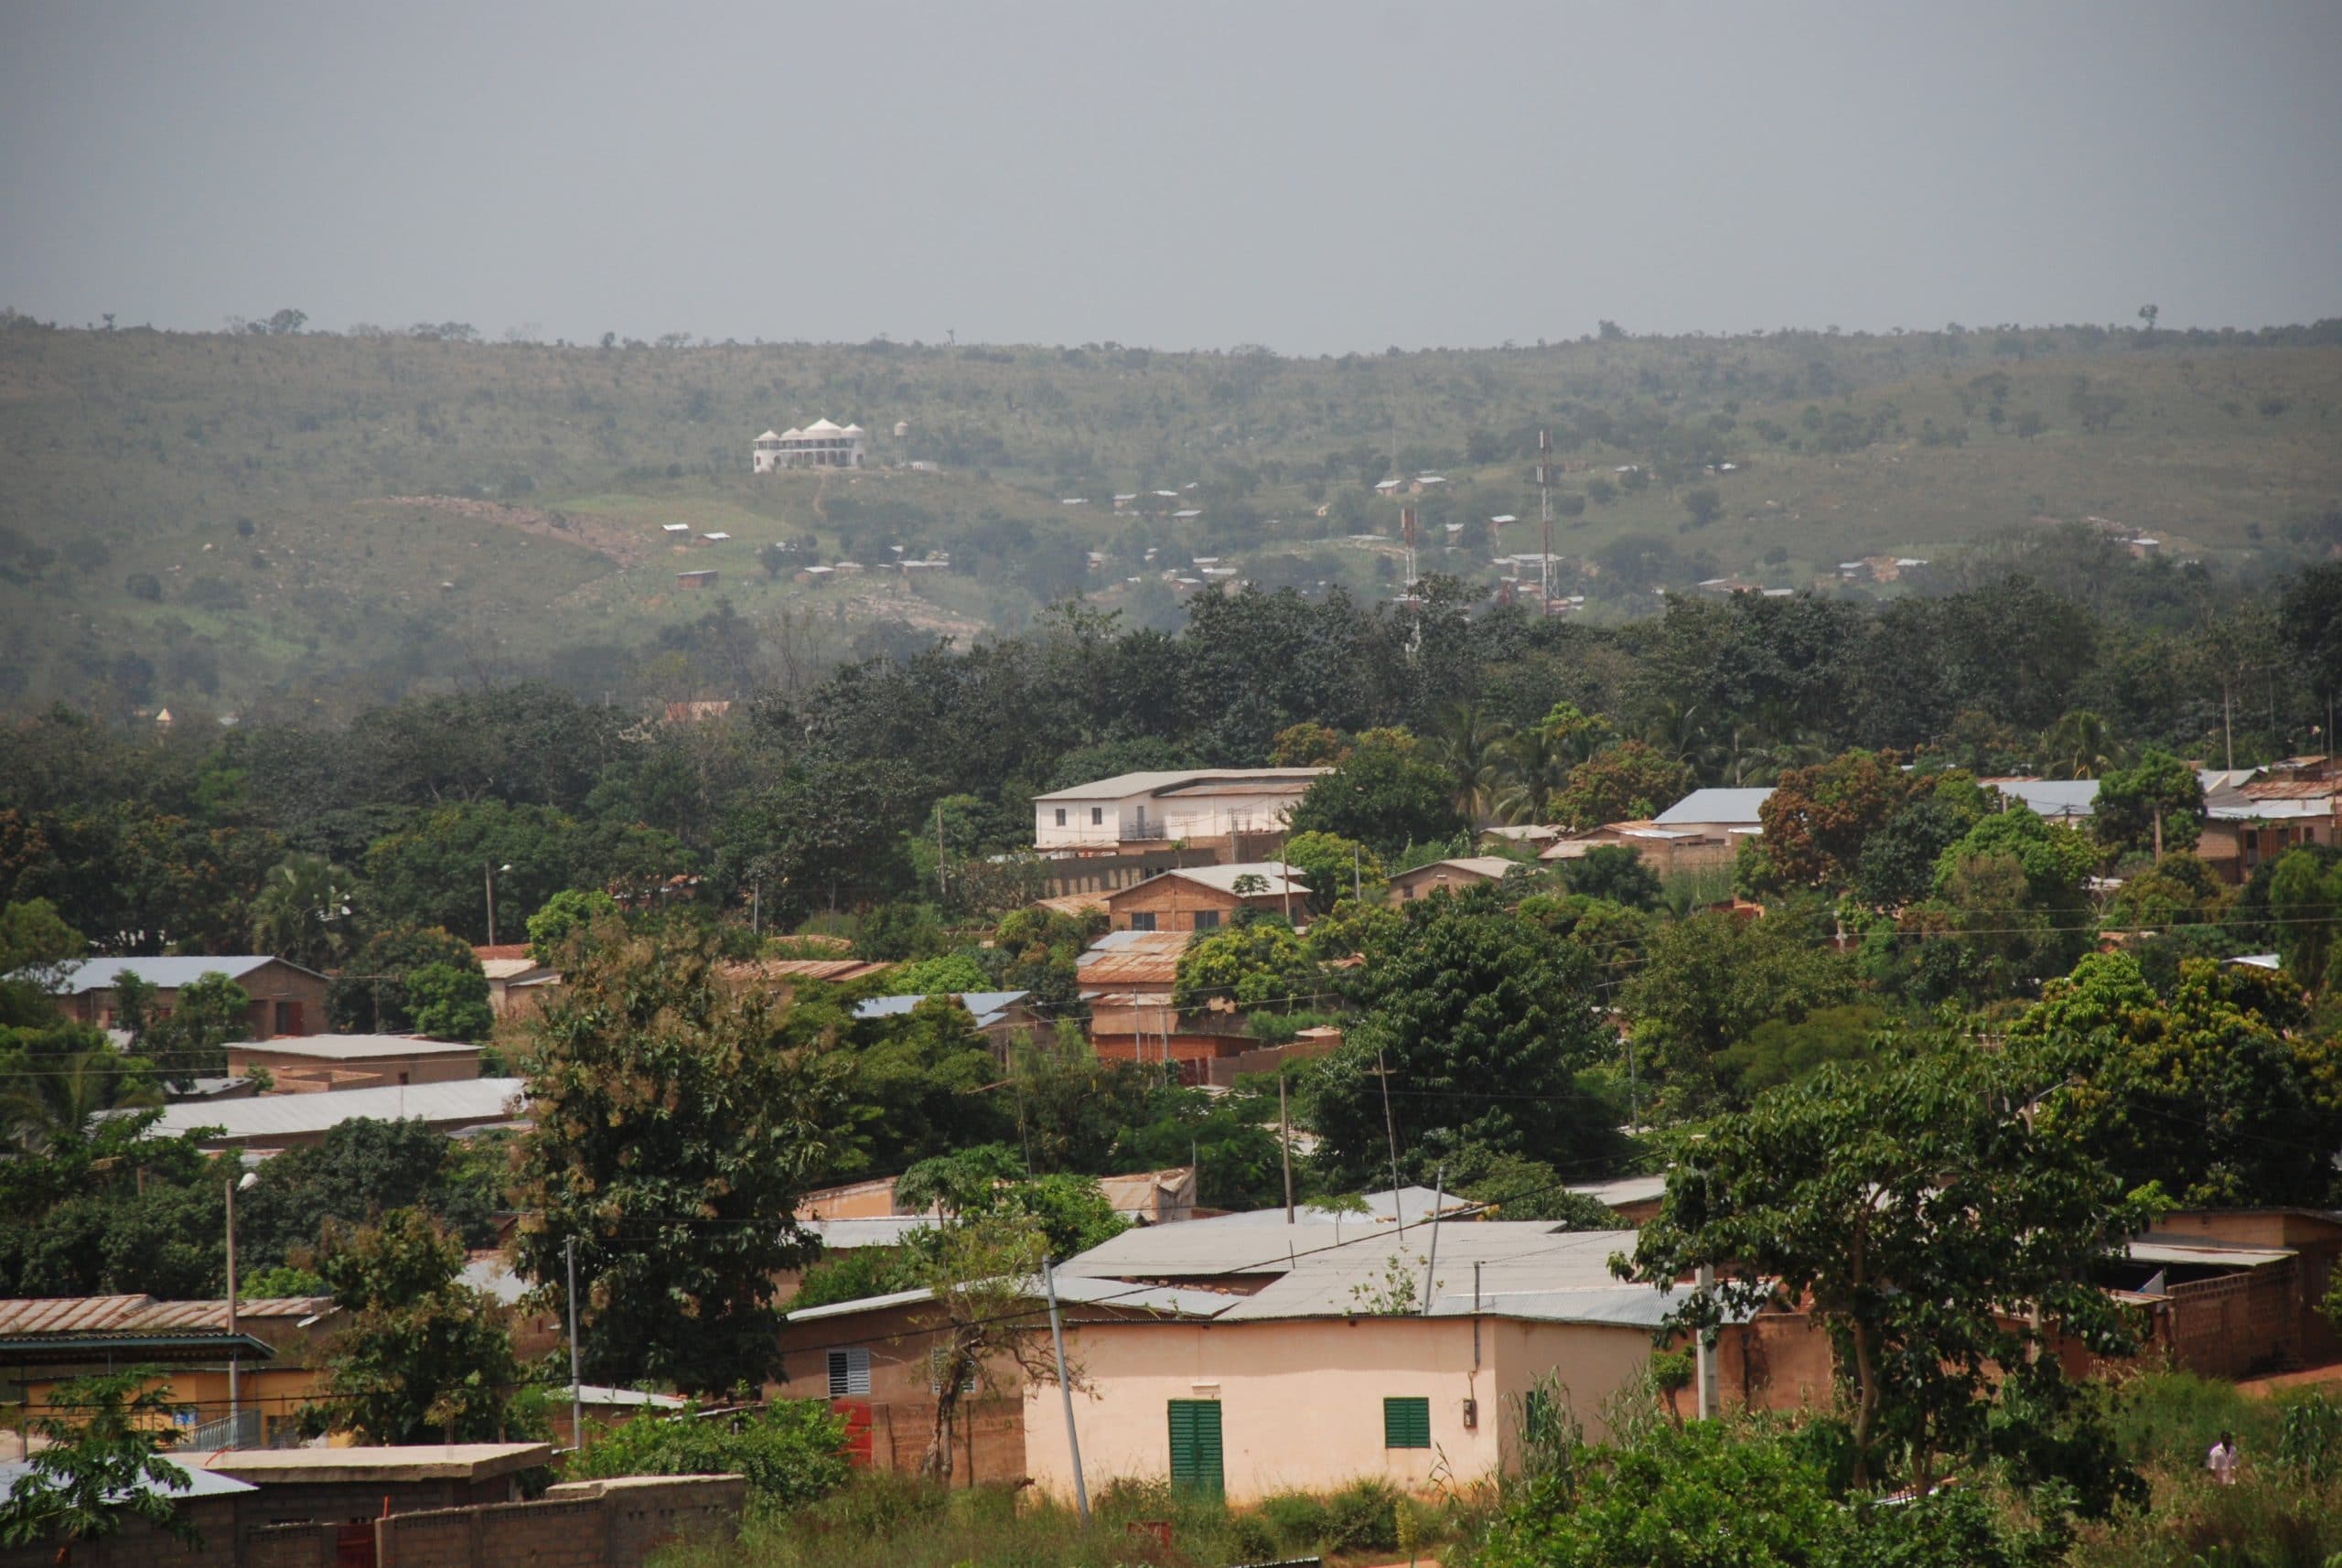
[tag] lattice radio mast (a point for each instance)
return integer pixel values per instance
(1545, 517)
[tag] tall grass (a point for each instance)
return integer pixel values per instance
(895, 1521)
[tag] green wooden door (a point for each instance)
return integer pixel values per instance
(1194, 1447)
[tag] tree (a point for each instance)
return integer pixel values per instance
(1707, 982)
(100, 1469)
(677, 1122)
(1308, 746)
(451, 1002)
(791, 1452)
(1484, 1023)
(1818, 819)
(1703, 506)
(2214, 1092)
(981, 1262)
(2156, 804)
(425, 1355)
(954, 973)
(1910, 1211)
(1616, 872)
(378, 997)
(1251, 963)
(567, 916)
(919, 1084)
(2081, 744)
(1625, 781)
(2306, 905)
(1898, 860)
(1333, 866)
(304, 912)
(2309, 617)
(1386, 794)
(213, 1011)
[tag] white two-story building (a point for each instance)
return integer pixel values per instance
(820, 445)
(1142, 808)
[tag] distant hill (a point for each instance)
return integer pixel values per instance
(244, 523)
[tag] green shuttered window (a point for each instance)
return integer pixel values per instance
(1406, 1424)
(1195, 1445)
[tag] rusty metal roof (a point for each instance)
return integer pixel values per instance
(2289, 788)
(1128, 970)
(837, 971)
(86, 1315)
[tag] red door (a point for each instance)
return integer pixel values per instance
(855, 1414)
(353, 1545)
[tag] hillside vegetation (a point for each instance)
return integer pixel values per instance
(280, 521)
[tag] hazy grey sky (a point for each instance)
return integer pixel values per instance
(1318, 177)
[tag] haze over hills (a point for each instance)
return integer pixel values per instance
(222, 522)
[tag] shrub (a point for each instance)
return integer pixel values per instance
(1362, 1517)
(792, 1451)
(1298, 1521)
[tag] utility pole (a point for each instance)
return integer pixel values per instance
(576, 1393)
(1707, 1350)
(1431, 1268)
(1284, 1142)
(939, 849)
(1284, 873)
(1064, 1389)
(491, 904)
(234, 1425)
(1390, 1134)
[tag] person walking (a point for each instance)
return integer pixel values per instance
(2221, 1460)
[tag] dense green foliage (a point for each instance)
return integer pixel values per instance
(99, 1468)
(790, 1451)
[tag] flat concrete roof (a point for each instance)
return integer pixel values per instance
(355, 1048)
(413, 1462)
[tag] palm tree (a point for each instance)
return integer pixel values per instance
(51, 1105)
(301, 914)
(1533, 765)
(1468, 746)
(2081, 744)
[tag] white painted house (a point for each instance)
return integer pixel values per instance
(820, 445)
(1142, 808)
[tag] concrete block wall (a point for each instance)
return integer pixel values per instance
(289, 1546)
(587, 1524)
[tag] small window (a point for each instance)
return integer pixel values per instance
(1406, 1424)
(1142, 920)
(1207, 920)
(849, 1373)
(1097, 816)
(1060, 816)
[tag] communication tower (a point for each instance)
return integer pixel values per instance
(1545, 518)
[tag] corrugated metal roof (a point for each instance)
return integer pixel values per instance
(2290, 790)
(162, 974)
(103, 1314)
(200, 1482)
(1172, 942)
(1625, 1190)
(1714, 806)
(1121, 785)
(1114, 970)
(837, 970)
(1492, 866)
(2052, 798)
(2168, 1250)
(987, 1007)
(298, 1115)
(878, 1230)
(1222, 878)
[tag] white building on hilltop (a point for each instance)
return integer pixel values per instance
(820, 445)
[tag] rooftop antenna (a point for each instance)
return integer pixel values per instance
(1545, 516)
